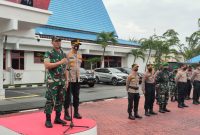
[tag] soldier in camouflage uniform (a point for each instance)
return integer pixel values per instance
(172, 85)
(55, 63)
(162, 80)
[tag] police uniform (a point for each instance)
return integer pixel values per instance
(55, 83)
(181, 81)
(132, 88)
(148, 85)
(162, 80)
(74, 60)
(196, 84)
(189, 85)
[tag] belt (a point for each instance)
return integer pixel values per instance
(134, 87)
(196, 81)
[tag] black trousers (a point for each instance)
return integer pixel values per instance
(196, 91)
(189, 87)
(133, 97)
(74, 89)
(182, 89)
(149, 96)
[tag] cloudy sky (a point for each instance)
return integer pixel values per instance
(140, 18)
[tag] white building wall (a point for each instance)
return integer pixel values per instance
(29, 63)
(34, 72)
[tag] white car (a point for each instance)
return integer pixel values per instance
(110, 75)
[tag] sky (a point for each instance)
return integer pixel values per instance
(142, 18)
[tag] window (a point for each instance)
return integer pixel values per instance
(17, 59)
(4, 59)
(38, 57)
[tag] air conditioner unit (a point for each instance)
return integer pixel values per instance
(18, 75)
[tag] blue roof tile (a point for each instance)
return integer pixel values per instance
(85, 15)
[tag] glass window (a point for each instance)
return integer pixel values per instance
(17, 59)
(38, 57)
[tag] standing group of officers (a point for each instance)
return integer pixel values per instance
(63, 76)
(161, 85)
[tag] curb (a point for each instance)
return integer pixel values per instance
(24, 86)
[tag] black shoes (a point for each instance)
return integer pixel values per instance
(137, 115)
(184, 105)
(180, 106)
(48, 123)
(131, 117)
(147, 113)
(58, 120)
(67, 116)
(152, 112)
(195, 103)
(77, 116)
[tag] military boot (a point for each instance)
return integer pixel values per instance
(131, 117)
(146, 113)
(67, 116)
(165, 108)
(58, 120)
(137, 115)
(48, 123)
(76, 114)
(152, 112)
(161, 109)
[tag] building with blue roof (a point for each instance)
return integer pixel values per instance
(70, 19)
(195, 59)
(82, 19)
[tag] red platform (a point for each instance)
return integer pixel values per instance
(33, 124)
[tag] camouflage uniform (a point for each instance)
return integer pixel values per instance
(55, 80)
(172, 86)
(162, 80)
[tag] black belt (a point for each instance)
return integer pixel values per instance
(134, 87)
(196, 81)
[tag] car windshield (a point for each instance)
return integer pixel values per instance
(113, 70)
(83, 71)
(128, 70)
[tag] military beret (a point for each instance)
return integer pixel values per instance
(75, 42)
(55, 38)
(165, 64)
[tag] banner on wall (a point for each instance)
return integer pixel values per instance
(43, 4)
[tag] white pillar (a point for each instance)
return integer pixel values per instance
(2, 91)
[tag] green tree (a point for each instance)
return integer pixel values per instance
(93, 61)
(137, 53)
(104, 39)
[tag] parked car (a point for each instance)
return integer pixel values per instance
(87, 78)
(128, 71)
(110, 75)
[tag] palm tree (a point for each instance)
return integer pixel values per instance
(148, 44)
(105, 38)
(137, 53)
(93, 61)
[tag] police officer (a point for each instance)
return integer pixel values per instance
(189, 85)
(148, 88)
(196, 84)
(74, 60)
(181, 81)
(132, 88)
(55, 63)
(163, 94)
